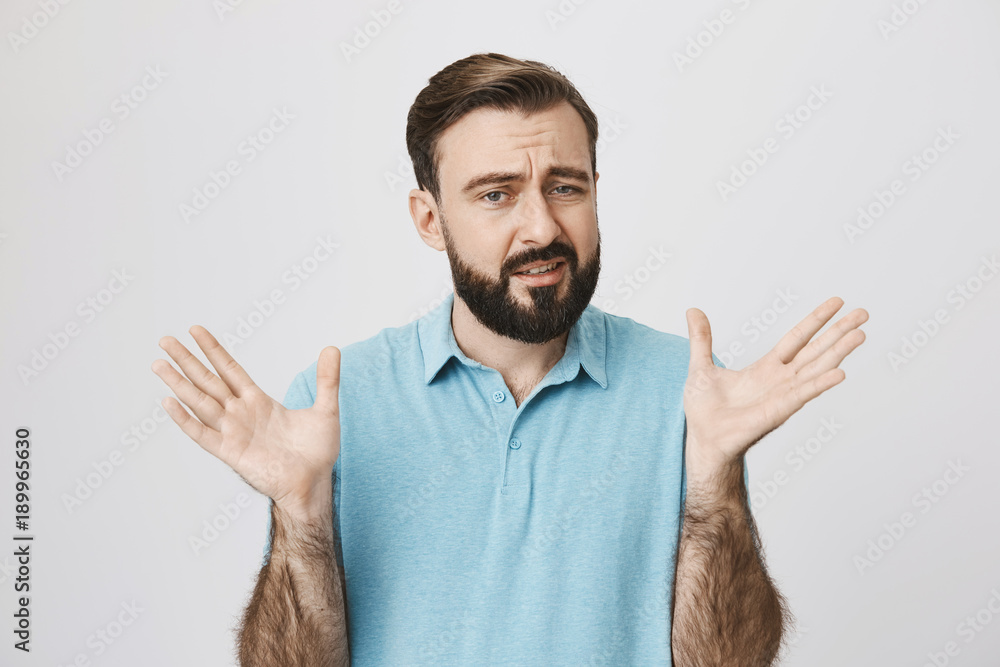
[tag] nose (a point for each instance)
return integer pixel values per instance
(536, 223)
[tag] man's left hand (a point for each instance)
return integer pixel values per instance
(728, 411)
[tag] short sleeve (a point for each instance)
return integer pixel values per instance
(299, 395)
(717, 362)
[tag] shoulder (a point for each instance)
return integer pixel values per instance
(391, 348)
(625, 336)
(640, 353)
(628, 334)
(642, 334)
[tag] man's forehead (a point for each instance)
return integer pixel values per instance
(493, 139)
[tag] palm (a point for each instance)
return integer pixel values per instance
(285, 454)
(275, 449)
(728, 411)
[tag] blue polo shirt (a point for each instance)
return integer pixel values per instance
(473, 531)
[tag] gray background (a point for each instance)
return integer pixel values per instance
(672, 133)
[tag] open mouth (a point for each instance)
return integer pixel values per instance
(543, 276)
(538, 270)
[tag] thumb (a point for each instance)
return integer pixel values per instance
(700, 335)
(328, 379)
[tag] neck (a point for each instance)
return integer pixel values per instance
(520, 364)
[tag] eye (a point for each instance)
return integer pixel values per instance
(567, 189)
(495, 197)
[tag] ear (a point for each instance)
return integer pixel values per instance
(424, 211)
(597, 175)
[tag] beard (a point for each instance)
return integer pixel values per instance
(492, 301)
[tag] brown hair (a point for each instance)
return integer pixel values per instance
(485, 80)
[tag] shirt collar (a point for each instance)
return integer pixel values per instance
(586, 344)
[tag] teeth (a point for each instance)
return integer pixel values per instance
(541, 269)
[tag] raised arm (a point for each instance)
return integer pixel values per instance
(726, 610)
(296, 615)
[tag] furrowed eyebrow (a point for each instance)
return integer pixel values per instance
(492, 178)
(569, 172)
(496, 177)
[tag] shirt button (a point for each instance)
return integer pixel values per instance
(515, 444)
(498, 396)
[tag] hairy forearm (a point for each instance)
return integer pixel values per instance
(296, 615)
(726, 609)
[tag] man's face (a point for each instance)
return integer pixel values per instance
(518, 193)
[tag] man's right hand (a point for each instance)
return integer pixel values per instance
(287, 455)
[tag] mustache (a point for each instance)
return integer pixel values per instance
(553, 251)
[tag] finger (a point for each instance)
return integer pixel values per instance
(209, 439)
(231, 372)
(328, 380)
(802, 392)
(202, 378)
(843, 326)
(833, 356)
(205, 408)
(700, 335)
(817, 385)
(796, 339)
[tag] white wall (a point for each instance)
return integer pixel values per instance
(672, 134)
